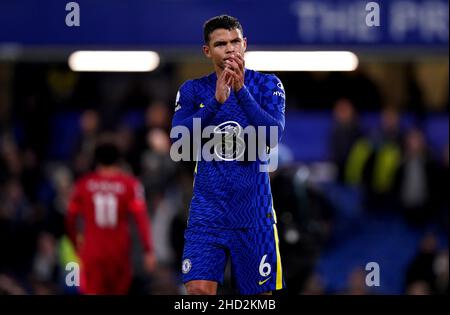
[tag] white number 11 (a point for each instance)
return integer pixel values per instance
(105, 205)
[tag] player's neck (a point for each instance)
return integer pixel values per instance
(108, 170)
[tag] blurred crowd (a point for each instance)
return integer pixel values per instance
(393, 167)
(34, 195)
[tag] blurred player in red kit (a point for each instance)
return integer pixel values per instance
(103, 199)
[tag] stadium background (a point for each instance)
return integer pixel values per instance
(363, 163)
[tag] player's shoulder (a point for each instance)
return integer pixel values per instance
(83, 179)
(120, 175)
(127, 177)
(262, 77)
(269, 81)
(81, 183)
(195, 83)
(206, 79)
(133, 185)
(186, 90)
(187, 85)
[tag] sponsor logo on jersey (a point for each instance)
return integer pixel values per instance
(280, 94)
(232, 146)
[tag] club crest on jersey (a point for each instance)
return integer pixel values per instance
(186, 266)
(232, 146)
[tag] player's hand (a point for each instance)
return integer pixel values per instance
(223, 86)
(237, 65)
(149, 262)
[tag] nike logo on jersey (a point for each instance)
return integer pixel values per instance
(201, 105)
(261, 282)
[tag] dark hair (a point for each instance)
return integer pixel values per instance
(106, 154)
(222, 21)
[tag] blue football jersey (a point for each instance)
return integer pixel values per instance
(231, 193)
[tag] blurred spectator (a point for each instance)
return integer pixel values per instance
(416, 180)
(14, 202)
(383, 164)
(345, 132)
(165, 191)
(441, 270)
(11, 158)
(162, 219)
(164, 282)
(180, 193)
(304, 217)
(441, 187)
(313, 286)
(3, 168)
(31, 175)
(124, 137)
(61, 181)
(390, 131)
(156, 117)
(84, 148)
(61, 83)
(8, 286)
(356, 283)
(429, 269)
(418, 288)
(36, 114)
(157, 167)
(45, 263)
(17, 222)
(170, 218)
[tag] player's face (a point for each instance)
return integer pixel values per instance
(223, 44)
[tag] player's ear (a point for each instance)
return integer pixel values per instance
(206, 51)
(245, 44)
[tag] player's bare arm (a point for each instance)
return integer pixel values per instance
(223, 86)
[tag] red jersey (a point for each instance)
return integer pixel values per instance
(104, 201)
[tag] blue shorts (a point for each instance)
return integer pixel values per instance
(254, 254)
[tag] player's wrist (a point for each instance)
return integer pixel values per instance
(238, 88)
(241, 91)
(219, 100)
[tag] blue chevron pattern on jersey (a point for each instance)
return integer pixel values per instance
(232, 194)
